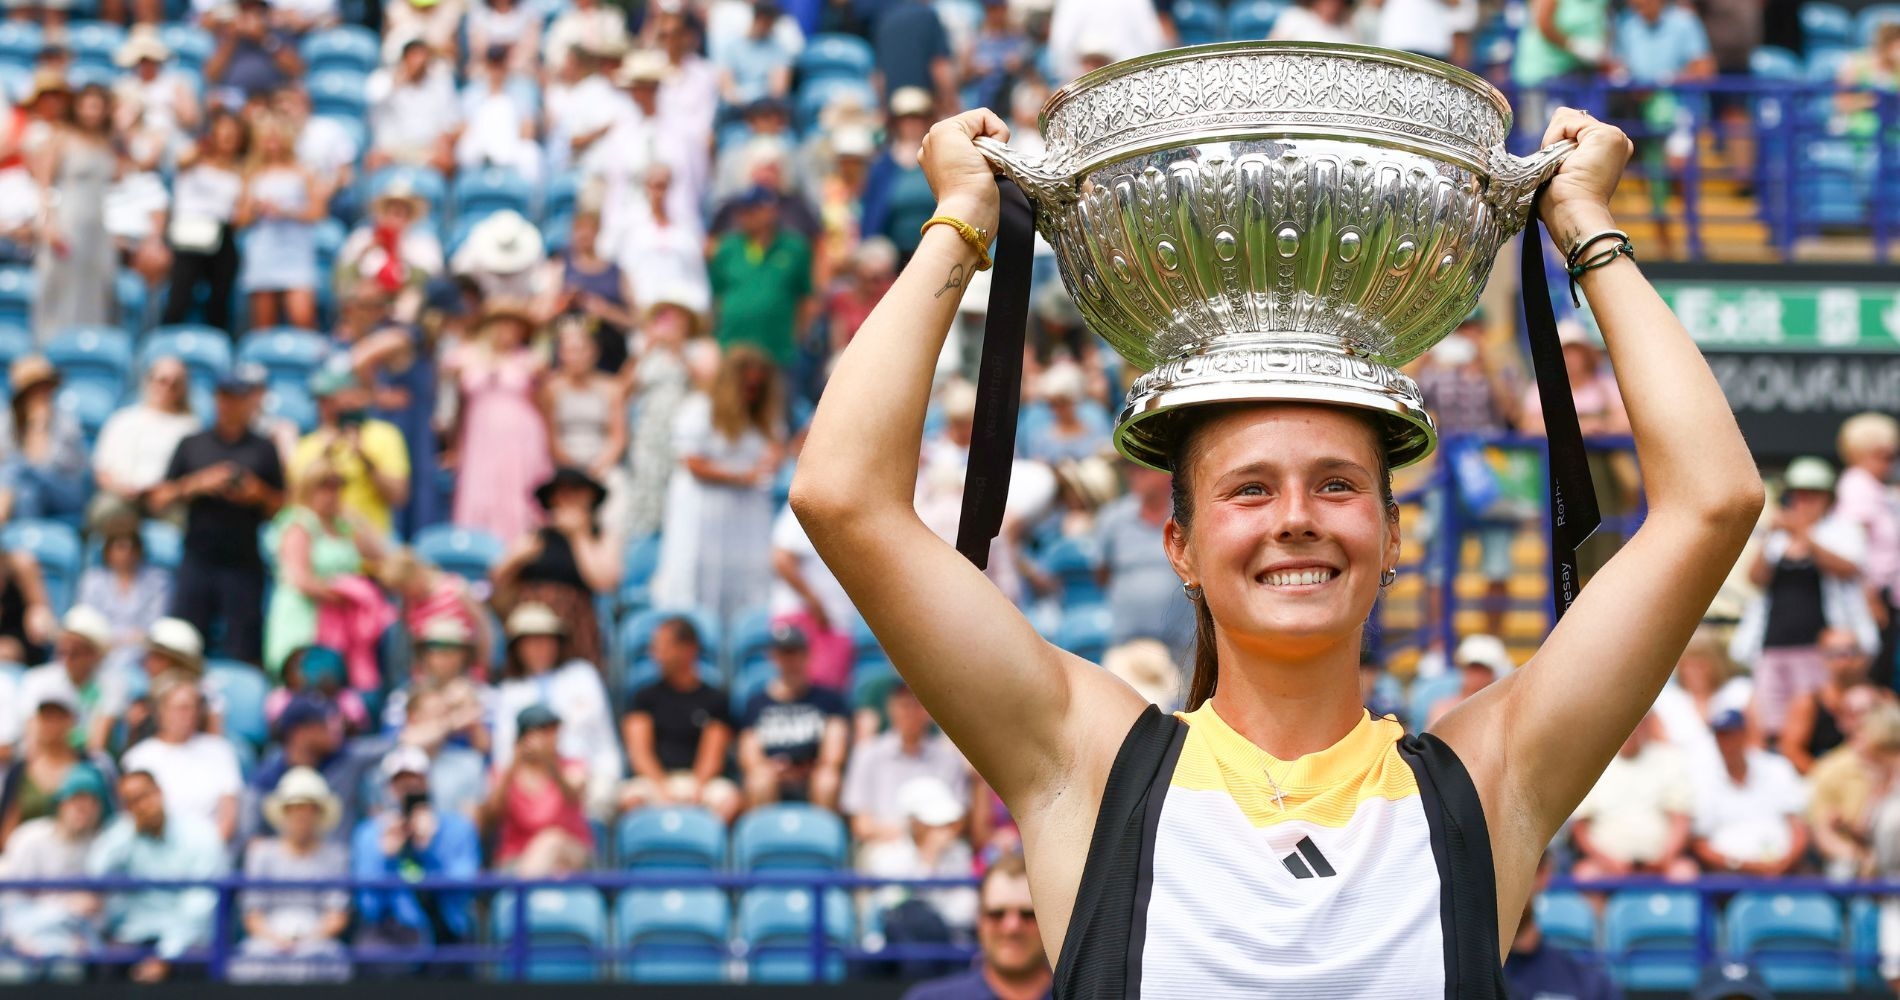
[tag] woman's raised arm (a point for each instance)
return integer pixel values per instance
(1018, 706)
(1537, 741)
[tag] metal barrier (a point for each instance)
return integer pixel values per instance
(1813, 165)
(511, 959)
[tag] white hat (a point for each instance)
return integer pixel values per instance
(1485, 651)
(643, 66)
(1572, 333)
(178, 639)
(912, 101)
(407, 758)
(534, 618)
(1062, 381)
(49, 687)
(1146, 666)
(855, 140)
(959, 400)
(1809, 473)
(88, 623)
(303, 784)
(505, 243)
(929, 801)
(444, 632)
(141, 44)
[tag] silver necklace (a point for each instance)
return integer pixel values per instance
(1279, 797)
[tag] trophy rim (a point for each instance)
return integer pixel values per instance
(1195, 53)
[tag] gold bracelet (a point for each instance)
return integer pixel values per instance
(978, 239)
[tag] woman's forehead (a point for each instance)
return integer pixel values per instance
(1288, 436)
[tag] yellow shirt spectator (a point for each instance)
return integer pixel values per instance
(373, 444)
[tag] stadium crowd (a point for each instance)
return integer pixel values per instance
(399, 423)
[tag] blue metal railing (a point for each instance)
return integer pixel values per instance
(512, 958)
(1812, 166)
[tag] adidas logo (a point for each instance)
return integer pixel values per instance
(1314, 863)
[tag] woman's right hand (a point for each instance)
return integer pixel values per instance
(960, 176)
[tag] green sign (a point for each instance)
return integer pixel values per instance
(1787, 316)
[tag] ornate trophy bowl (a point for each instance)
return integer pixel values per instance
(1268, 221)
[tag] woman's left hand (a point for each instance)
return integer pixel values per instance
(1579, 193)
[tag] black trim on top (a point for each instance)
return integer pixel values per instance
(1145, 878)
(1467, 881)
(1095, 952)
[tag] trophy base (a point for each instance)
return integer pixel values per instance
(1278, 370)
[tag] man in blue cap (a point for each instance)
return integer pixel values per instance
(231, 480)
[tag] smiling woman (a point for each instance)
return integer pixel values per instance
(1274, 838)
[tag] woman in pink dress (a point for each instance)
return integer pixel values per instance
(503, 439)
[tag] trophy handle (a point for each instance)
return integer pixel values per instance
(1042, 185)
(1515, 179)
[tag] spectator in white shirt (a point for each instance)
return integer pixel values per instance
(1110, 29)
(501, 125)
(1315, 21)
(581, 106)
(196, 770)
(167, 106)
(880, 767)
(584, 25)
(41, 924)
(135, 446)
(414, 114)
(1749, 808)
(324, 146)
(1440, 29)
(514, 25)
(80, 651)
(1636, 820)
(436, 23)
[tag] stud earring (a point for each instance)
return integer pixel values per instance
(1388, 575)
(1193, 593)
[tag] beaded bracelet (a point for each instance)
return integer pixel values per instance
(1601, 259)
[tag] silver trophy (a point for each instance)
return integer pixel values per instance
(1263, 221)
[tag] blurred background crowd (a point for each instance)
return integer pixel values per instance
(401, 401)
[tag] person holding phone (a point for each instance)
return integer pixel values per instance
(410, 839)
(370, 454)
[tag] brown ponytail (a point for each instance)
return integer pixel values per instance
(1180, 457)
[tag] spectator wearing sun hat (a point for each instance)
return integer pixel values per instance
(43, 472)
(79, 669)
(793, 734)
(170, 110)
(303, 925)
(567, 563)
(503, 256)
(538, 670)
(1481, 660)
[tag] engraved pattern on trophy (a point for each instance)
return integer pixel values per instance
(1276, 221)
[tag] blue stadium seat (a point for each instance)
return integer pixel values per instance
(1084, 631)
(100, 354)
(642, 558)
(776, 926)
(812, 97)
(637, 631)
(466, 552)
(290, 355)
(835, 56)
(864, 644)
(164, 543)
(133, 295)
(16, 81)
(20, 41)
(190, 44)
(16, 291)
(789, 837)
(564, 926)
(15, 341)
(1871, 17)
(1199, 22)
(349, 48)
(90, 403)
(94, 43)
(671, 838)
(205, 350)
(243, 688)
(1252, 20)
(751, 637)
(1567, 920)
(674, 935)
(1427, 692)
(557, 232)
(1650, 939)
(480, 193)
(90, 74)
(338, 93)
(1073, 562)
(1824, 62)
(867, 676)
(749, 681)
(1826, 25)
(56, 547)
(426, 182)
(1863, 929)
(1794, 939)
(558, 198)
(1771, 62)
(293, 403)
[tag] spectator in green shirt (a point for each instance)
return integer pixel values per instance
(761, 281)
